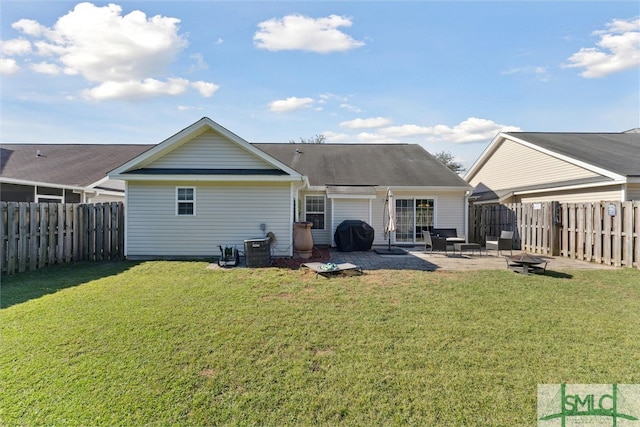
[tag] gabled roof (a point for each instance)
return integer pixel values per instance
(403, 165)
(76, 165)
(612, 154)
(135, 168)
(615, 152)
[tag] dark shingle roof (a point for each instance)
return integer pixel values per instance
(64, 164)
(364, 164)
(616, 152)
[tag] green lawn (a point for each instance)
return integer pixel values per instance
(171, 343)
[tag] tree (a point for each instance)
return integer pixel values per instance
(316, 139)
(447, 159)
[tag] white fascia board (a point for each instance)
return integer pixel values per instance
(98, 192)
(105, 180)
(431, 189)
(351, 196)
(570, 187)
(568, 159)
(209, 178)
(42, 184)
(188, 134)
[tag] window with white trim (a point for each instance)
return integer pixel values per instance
(314, 208)
(185, 201)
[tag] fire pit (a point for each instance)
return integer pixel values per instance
(525, 263)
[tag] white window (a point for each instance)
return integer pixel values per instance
(314, 208)
(185, 201)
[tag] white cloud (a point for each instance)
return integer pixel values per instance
(374, 138)
(188, 108)
(125, 56)
(372, 122)
(539, 72)
(136, 90)
(617, 50)
(46, 68)
(206, 89)
(471, 130)
(336, 137)
(406, 130)
(351, 108)
(199, 63)
(30, 27)
(8, 66)
(298, 32)
(15, 47)
(290, 104)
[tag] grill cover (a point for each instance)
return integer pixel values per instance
(353, 235)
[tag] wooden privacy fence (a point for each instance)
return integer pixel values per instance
(35, 235)
(605, 232)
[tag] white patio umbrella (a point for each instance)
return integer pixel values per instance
(391, 216)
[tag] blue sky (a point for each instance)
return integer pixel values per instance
(446, 75)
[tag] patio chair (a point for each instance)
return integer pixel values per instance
(502, 243)
(434, 243)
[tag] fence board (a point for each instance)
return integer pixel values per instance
(23, 238)
(587, 231)
(627, 234)
(636, 213)
(3, 233)
(68, 235)
(12, 242)
(36, 235)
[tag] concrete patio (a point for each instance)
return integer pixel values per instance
(416, 259)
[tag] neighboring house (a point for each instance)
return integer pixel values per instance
(205, 186)
(71, 173)
(565, 167)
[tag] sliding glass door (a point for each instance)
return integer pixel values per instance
(412, 217)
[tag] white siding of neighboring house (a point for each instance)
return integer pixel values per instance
(210, 150)
(513, 165)
(595, 194)
(226, 214)
(350, 209)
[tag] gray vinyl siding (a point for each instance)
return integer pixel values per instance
(514, 165)
(633, 191)
(226, 214)
(210, 150)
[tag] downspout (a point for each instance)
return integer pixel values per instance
(466, 215)
(126, 220)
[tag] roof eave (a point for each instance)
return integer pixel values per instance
(42, 184)
(207, 178)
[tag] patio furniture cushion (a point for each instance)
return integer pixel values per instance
(444, 232)
(504, 242)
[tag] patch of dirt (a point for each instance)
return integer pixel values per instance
(317, 255)
(208, 372)
(322, 351)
